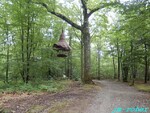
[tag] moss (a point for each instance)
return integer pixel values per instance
(143, 87)
(3, 110)
(36, 109)
(56, 108)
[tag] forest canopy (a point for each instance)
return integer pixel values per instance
(108, 39)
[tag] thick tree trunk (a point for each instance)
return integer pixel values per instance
(87, 55)
(87, 50)
(87, 44)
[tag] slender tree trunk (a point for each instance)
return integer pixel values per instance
(118, 52)
(22, 54)
(99, 68)
(134, 74)
(28, 60)
(7, 60)
(28, 48)
(146, 64)
(70, 58)
(114, 66)
(22, 35)
(133, 65)
(66, 67)
(125, 70)
(82, 60)
(148, 78)
(99, 58)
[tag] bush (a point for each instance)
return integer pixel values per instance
(47, 86)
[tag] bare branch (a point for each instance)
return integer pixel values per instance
(101, 7)
(63, 17)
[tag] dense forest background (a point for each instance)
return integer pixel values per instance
(119, 40)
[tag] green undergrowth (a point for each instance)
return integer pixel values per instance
(2, 110)
(38, 86)
(56, 108)
(143, 87)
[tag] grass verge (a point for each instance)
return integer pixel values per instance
(52, 86)
(143, 87)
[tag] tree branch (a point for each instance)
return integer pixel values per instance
(60, 16)
(101, 7)
(84, 4)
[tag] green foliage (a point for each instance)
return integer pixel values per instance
(32, 33)
(2, 110)
(143, 87)
(46, 86)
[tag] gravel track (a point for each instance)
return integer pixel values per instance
(119, 95)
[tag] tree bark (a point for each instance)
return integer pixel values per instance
(7, 59)
(70, 58)
(99, 63)
(118, 52)
(148, 78)
(133, 64)
(146, 63)
(87, 56)
(22, 54)
(125, 70)
(87, 44)
(82, 59)
(114, 66)
(28, 53)
(28, 46)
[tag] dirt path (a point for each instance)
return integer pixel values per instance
(121, 96)
(74, 97)
(89, 99)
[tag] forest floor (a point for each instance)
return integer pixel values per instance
(103, 97)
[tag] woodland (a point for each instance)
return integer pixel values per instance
(109, 39)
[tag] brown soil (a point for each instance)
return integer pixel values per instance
(108, 98)
(50, 103)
